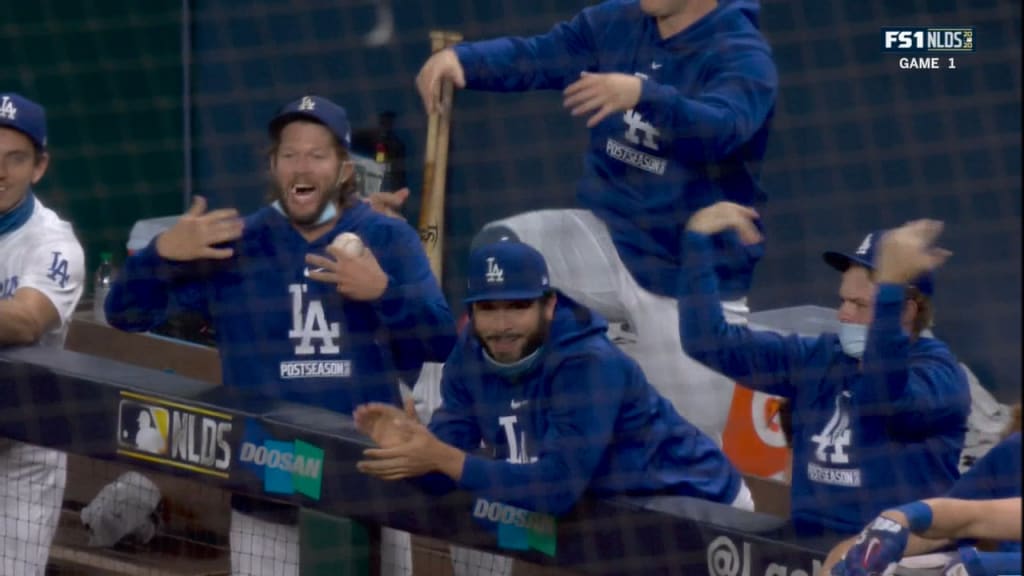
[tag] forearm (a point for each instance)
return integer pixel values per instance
(731, 108)
(419, 322)
(514, 64)
(758, 359)
(547, 485)
(975, 519)
(139, 297)
(450, 461)
(886, 360)
(17, 326)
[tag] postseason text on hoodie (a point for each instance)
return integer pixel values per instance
(868, 434)
(697, 135)
(290, 337)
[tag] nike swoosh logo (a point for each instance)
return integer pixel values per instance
(872, 548)
(518, 405)
(305, 271)
(655, 65)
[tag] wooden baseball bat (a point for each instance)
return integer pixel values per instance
(435, 165)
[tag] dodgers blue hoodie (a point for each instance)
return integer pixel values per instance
(697, 135)
(995, 476)
(583, 419)
(290, 337)
(865, 438)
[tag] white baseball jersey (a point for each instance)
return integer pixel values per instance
(44, 254)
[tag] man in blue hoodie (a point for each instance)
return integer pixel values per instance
(296, 317)
(879, 411)
(678, 96)
(560, 409)
(996, 477)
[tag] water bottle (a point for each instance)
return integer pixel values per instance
(381, 157)
(101, 286)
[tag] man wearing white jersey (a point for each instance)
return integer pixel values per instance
(41, 274)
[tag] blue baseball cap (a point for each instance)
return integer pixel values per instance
(318, 109)
(506, 270)
(864, 256)
(25, 116)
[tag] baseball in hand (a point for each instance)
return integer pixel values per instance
(349, 244)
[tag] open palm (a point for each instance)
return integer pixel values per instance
(380, 422)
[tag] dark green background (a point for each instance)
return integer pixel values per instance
(858, 144)
(109, 73)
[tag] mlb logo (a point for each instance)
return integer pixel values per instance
(143, 428)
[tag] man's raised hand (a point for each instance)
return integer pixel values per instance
(195, 235)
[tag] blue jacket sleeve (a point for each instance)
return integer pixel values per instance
(761, 360)
(550, 61)
(732, 106)
(581, 420)
(996, 475)
(420, 324)
(453, 423)
(915, 392)
(142, 293)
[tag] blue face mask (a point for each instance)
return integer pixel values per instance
(515, 368)
(853, 338)
(329, 213)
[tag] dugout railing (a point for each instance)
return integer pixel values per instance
(78, 403)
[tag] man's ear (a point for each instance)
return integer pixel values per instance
(910, 310)
(42, 163)
(549, 306)
(348, 170)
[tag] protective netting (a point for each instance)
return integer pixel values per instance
(152, 102)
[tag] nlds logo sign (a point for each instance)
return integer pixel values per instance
(173, 434)
(927, 40)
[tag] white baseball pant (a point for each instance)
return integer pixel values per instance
(262, 548)
(32, 480)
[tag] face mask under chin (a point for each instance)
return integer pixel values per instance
(532, 352)
(328, 213)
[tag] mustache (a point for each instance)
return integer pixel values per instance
(503, 335)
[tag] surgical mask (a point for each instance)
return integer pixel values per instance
(330, 211)
(516, 368)
(853, 338)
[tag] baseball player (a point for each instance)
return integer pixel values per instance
(678, 96)
(42, 268)
(559, 408)
(996, 477)
(879, 411)
(296, 317)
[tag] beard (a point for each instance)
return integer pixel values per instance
(532, 341)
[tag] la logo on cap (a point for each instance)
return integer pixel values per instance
(865, 245)
(7, 109)
(494, 273)
(307, 103)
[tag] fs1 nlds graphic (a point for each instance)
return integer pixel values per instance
(925, 43)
